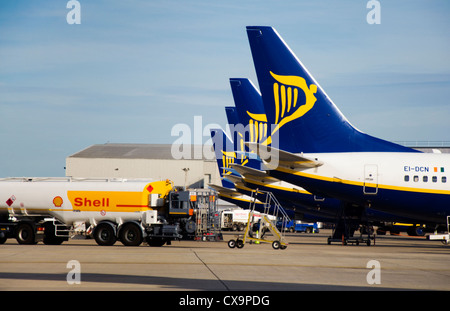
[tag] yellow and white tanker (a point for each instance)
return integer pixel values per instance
(109, 209)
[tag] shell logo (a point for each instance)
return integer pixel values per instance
(58, 201)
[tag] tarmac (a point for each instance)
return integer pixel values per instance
(308, 264)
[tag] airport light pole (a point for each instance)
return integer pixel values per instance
(186, 170)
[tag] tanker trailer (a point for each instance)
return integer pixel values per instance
(54, 209)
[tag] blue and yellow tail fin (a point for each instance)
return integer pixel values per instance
(225, 155)
(302, 114)
(250, 110)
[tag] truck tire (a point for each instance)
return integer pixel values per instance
(25, 234)
(105, 235)
(131, 234)
(3, 238)
(53, 240)
(49, 235)
(156, 242)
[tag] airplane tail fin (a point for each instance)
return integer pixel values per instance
(240, 132)
(250, 110)
(225, 155)
(303, 115)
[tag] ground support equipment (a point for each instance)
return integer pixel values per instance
(256, 231)
(349, 219)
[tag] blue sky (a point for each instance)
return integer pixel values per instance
(133, 69)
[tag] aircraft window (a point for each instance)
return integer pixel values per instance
(406, 177)
(434, 178)
(425, 178)
(416, 178)
(444, 179)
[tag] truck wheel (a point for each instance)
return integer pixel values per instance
(190, 226)
(25, 234)
(156, 242)
(49, 235)
(3, 238)
(53, 240)
(104, 235)
(131, 235)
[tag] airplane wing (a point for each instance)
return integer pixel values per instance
(233, 178)
(226, 191)
(284, 158)
(252, 173)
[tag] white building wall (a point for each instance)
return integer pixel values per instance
(200, 172)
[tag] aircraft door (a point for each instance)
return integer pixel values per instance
(370, 179)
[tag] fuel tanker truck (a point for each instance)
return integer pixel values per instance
(132, 211)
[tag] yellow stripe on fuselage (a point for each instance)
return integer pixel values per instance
(280, 188)
(361, 184)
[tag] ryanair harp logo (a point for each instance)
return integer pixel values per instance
(287, 107)
(230, 157)
(285, 94)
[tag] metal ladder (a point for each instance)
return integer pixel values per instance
(61, 230)
(271, 207)
(279, 211)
